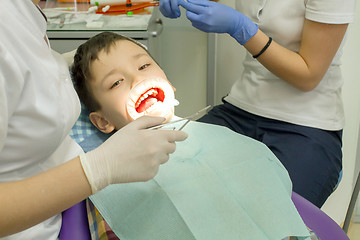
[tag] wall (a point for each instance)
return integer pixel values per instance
(336, 205)
(182, 53)
(229, 55)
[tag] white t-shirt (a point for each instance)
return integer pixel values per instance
(38, 103)
(260, 92)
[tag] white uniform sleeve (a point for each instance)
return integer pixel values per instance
(11, 84)
(67, 150)
(3, 112)
(330, 11)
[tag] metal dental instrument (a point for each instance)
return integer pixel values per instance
(187, 119)
(184, 125)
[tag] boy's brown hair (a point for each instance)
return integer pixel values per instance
(84, 56)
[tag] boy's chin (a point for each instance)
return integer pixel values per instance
(168, 116)
(162, 111)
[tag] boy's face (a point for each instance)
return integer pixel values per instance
(114, 74)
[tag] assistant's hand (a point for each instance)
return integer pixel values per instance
(214, 17)
(169, 8)
(132, 154)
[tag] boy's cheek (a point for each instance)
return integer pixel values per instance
(169, 116)
(123, 122)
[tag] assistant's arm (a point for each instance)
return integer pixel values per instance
(304, 69)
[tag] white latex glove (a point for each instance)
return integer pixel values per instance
(132, 154)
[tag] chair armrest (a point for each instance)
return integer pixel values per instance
(315, 219)
(75, 225)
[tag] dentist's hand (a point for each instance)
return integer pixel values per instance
(169, 8)
(214, 17)
(132, 154)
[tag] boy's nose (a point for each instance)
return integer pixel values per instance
(137, 79)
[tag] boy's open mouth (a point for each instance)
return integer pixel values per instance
(149, 98)
(152, 97)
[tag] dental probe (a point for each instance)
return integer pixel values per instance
(188, 119)
(184, 125)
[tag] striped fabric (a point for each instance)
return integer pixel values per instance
(99, 229)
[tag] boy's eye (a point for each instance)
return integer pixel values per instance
(116, 84)
(144, 66)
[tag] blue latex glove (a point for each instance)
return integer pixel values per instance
(214, 17)
(169, 8)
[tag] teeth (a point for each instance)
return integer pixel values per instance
(152, 92)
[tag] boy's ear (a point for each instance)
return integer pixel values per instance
(101, 122)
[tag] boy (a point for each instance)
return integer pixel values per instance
(223, 187)
(111, 78)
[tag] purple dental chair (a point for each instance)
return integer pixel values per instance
(75, 224)
(315, 219)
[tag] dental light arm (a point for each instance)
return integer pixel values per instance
(214, 17)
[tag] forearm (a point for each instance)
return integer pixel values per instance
(286, 64)
(28, 202)
(304, 69)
